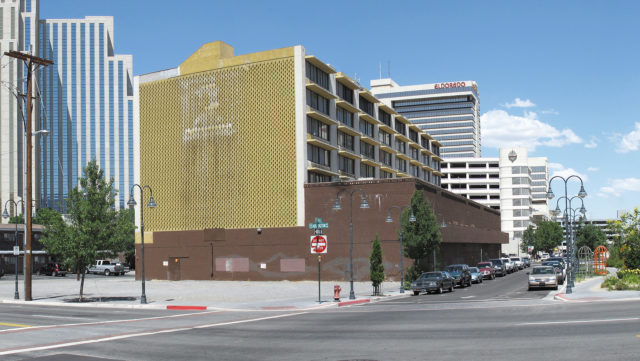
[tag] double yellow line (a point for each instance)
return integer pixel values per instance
(13, 324)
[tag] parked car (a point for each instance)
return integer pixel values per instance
(543, 276)
(52, 269)
(487, 270)
(433, 282)
(460, 272)
(526, 261)
(544, 256)
(559, 267)
(518, 262)
(508, 264)
(106, 268)
(499, 267)
(476, 275)
(1, 271)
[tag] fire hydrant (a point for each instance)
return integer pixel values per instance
(336, 292)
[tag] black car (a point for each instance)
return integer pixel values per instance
(499, 267)
(433, 282)
(461, 273)
(52, 269)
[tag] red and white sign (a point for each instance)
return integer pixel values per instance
(318, 244)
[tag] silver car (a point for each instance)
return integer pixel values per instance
(542, 277)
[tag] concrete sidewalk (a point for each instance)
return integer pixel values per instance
(125, 292)
(589, 290)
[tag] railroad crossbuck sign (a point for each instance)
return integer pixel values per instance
(318, 244)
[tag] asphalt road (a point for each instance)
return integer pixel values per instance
(505, 326)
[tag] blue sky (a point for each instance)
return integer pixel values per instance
(562, 78)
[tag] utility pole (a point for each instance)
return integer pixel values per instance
(29, 60)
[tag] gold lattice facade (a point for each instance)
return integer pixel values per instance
(228, 141)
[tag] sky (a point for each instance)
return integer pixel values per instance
(558, 77)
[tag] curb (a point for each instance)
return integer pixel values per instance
(353, 302)
(197, 308)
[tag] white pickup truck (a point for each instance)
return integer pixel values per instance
(107, 268)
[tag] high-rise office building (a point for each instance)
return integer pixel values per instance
(84, 100)
(449, 112)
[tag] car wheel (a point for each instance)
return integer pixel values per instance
(451, 288)
(107, 272)
(440, 290)
(415, 293)
(40, 273)
(529, 289)
(493, 276)
(556, 287)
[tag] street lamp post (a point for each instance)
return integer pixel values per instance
(5, 214)
(412, 219)
(152, 204)
(570, 220)
(581, 194)
(337, 207)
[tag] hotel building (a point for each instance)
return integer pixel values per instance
(84, 100)
(230, 144)
(512, 183)
(449, 112)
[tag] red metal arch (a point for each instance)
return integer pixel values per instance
(600, 260)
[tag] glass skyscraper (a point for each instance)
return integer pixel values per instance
(84, 100)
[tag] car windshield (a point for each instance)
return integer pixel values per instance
(432, 275)
(542, 270)
(497, 261)
(515, 259)
(474, 269)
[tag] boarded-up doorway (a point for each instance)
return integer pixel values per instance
(173, 272)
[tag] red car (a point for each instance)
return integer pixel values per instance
(486, 268)
(52, 269)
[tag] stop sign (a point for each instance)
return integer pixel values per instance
(318, 244)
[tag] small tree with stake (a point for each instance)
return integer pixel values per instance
(422, 237)
(95, 228)
(376, 267)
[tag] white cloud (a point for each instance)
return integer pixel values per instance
(630, 142)
(559, 170)
(519, 103)
(592, 143)
(501, 129)
(593, 169)
(618, 186)
(550, 111)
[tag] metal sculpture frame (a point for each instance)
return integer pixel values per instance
(600, 260)
(585, 261)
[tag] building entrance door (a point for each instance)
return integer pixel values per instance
(173, 273)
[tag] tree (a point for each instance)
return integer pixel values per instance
(528, 240)
(422, 237)
(590, 236)
(626, 242)
(95, 228)
(548, 236)
(376, 267)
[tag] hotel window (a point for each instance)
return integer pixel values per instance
(346, 165)
(368, 150)
(318, 128)
(346, 141)
(402, 165)
(386, 158)
(384, 174)
(366, 106)
(426, 160)
(400, 127)
(318, 178)
(401, 146)
(317, 76)
(367, 171)
(345, 92)
(366, 128)
(384, 137)
(413, 170)
(318, 155)
(415, 153)
(413, 135)
(344, 116)
(318, 102)
(384, 117)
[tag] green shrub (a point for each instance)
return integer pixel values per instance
(621, 285)
(609, 282)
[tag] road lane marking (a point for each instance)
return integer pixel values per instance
(109, 322)
(98, 339)
(467, 296)
(63, 317)
(14, 325)
(577, 321)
